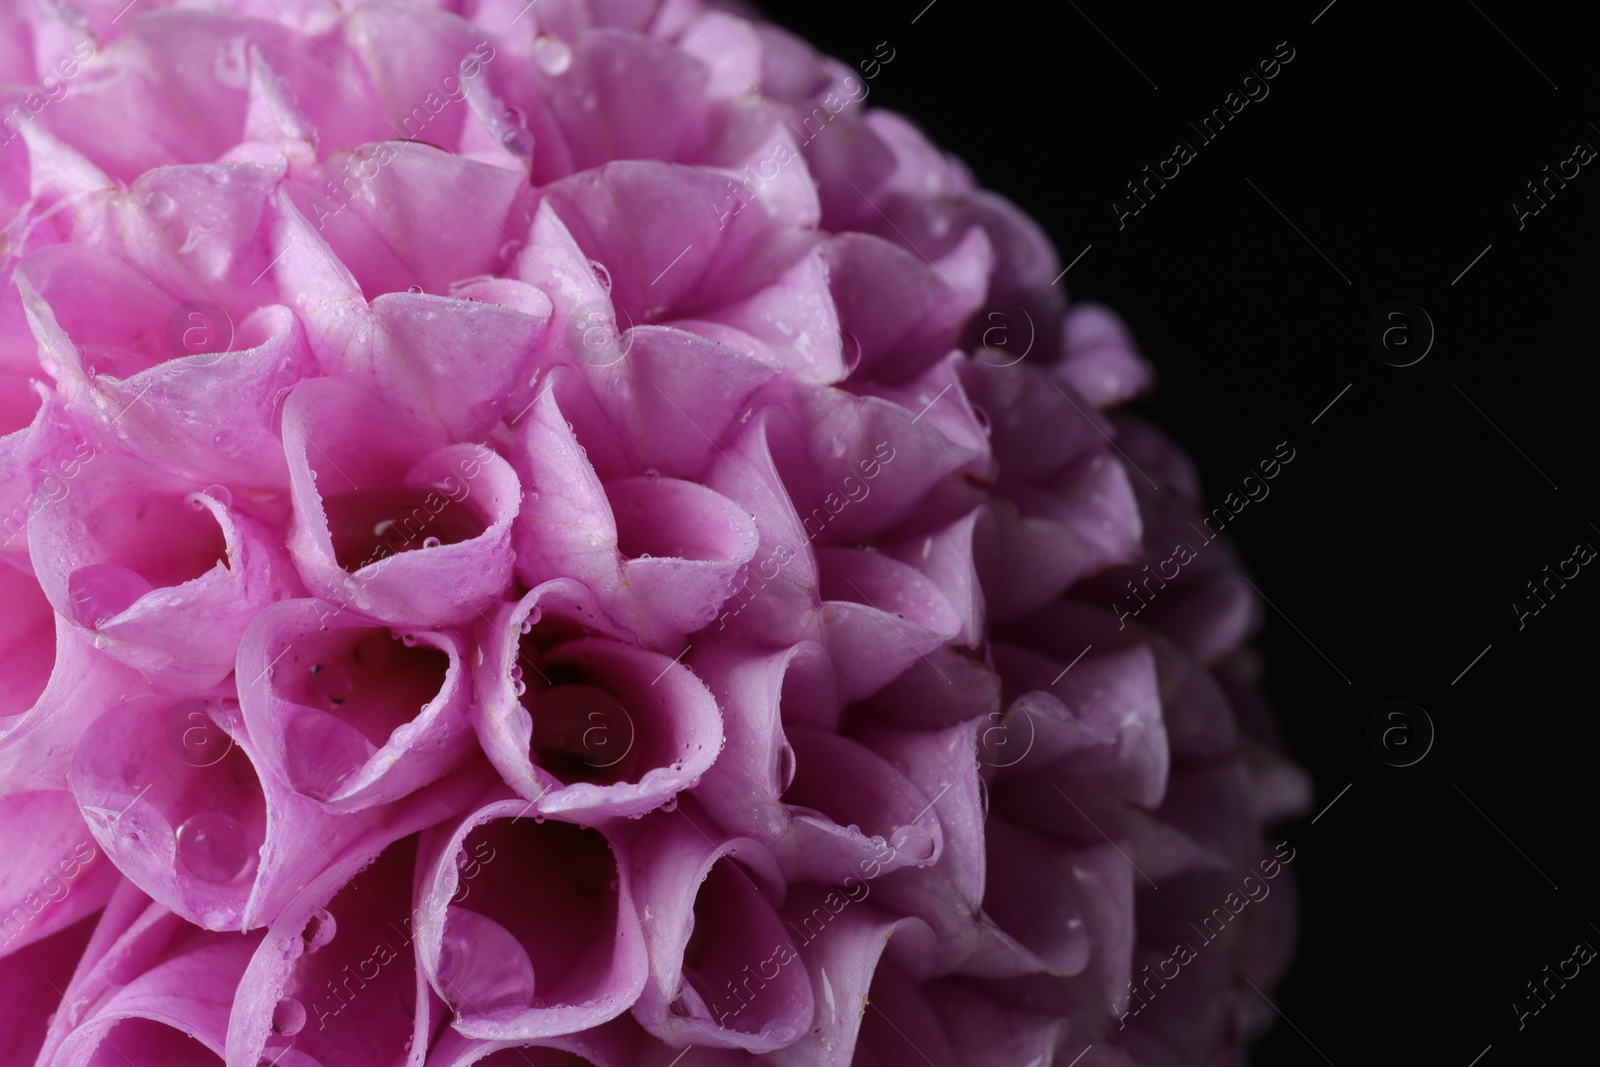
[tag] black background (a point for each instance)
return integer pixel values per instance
(1394, 142)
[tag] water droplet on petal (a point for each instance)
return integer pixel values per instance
(288, 1016)
(518, 141)
(160, 204)
(983, 419)
(552, 55)
(482, 965)
(319, 929)
(912, 841)
(414, 289)
(212, 847)
(409, 640)
(602, 275)
(852, 352)
(431, 542)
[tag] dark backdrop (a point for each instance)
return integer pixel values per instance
(1382, 164)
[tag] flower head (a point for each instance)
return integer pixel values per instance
(519, 544)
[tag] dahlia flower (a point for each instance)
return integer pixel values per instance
(515, 549)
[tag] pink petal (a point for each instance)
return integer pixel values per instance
(348, 713)
(707, 911)
(588, 728)
(54, 875)
(129, 543)
(368, 491)
(548, 941)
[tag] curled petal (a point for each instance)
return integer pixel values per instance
(709, 918)
(588, 728)
(129, 544)
(348, 713)
(547, 943)
(54, 875)
(368, 495)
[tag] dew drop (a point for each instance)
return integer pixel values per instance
(414, 289)
(319, 930)
(671, 804)
(212, 847)
(518, 141)
(983, 419)
(652, 473)
(409, 640)
(431, 542)
(552, 55)
(602, 275)
(852, 352)
(913, 841)
(288, 1017)
(160, 204)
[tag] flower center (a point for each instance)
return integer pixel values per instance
(370, 525)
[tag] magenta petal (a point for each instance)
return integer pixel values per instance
(843, 942)
(673, 399)
(794, 318)
(1101, 360)
(627, 97)
(33, 979)
(902, 1010)
(709, 913)
(984, 1031)
(36, 746)
(368, 494)
(185, 829)
(175, 1013)
(588, 728)
(547, 894)
(1096, 736)
(350, 927)
(777, 600)
(879, 618)
(291, 995)
(348, 713)
(637, 218)
(171, 792)
(757, 765)
(30, 436)
(612, 1044)
(853, 813)
(54, 875)
(224, 401)
(660, 553)
(129, 544)
(27, 643)
(905, 313)
(452, 362)
(857, 466)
